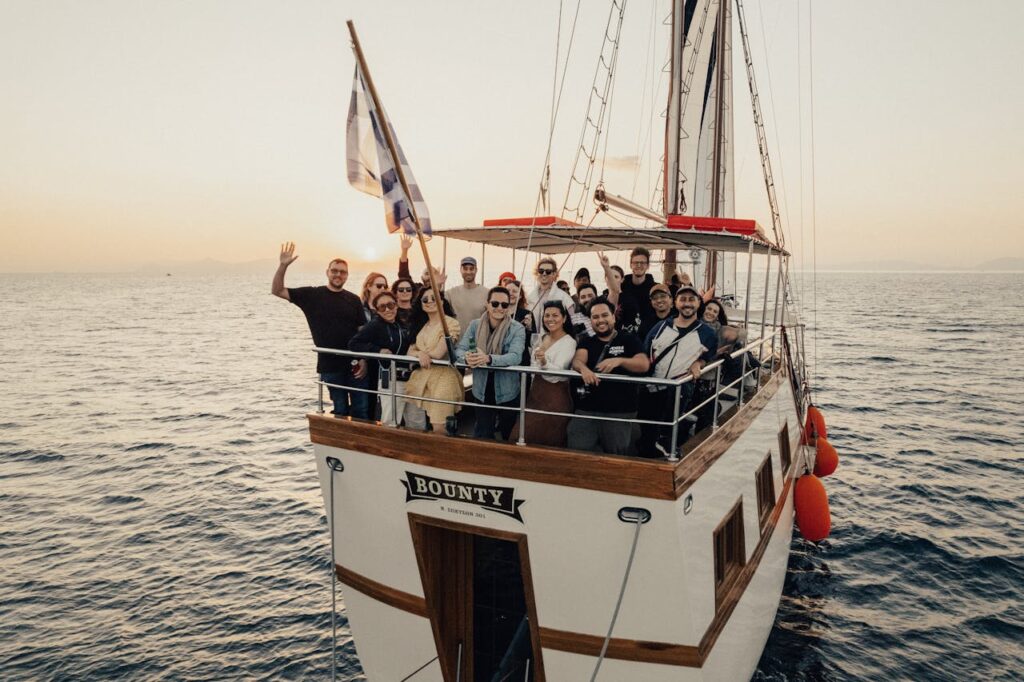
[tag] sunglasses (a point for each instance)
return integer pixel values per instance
(426, 301)
(404, 290)
(545, 271)
(387, 306)
(500, 304)
(378, 285)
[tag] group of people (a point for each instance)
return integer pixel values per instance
(634, 328)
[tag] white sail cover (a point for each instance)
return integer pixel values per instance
(699, 81)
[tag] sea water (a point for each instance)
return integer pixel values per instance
(160, 517)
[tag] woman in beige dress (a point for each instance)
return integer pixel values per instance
(429, 380)
(550, 393)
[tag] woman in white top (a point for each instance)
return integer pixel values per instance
(550, 393)
(547, 275)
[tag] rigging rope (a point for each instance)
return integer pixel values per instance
(814, 224)
(587, 149)
(618, 602)
(551, 131)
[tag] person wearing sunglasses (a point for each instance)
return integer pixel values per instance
(494, 339)
(547, 276)
(404, 289)
(372, 285)
(333, 315)
(383, 334)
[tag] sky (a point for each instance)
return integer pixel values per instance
(137, 132)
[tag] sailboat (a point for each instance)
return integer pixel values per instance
(465, 559)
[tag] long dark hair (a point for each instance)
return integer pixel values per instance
(419, 317)
(722, 319)
(566, 322)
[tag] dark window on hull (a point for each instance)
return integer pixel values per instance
(730, 551)
(765, 490)
(785, 455)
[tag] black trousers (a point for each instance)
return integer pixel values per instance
(660, 406)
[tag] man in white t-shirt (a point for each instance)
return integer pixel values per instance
(469, 299)
(547, 275)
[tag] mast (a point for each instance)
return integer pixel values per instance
(392, 149)
(711, 272)
(670, 194)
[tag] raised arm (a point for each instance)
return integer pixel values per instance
(277, 287)
(614, 286)
(403, 259)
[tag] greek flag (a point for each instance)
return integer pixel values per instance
(370, 166)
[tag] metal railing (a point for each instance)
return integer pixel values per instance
(391, 393)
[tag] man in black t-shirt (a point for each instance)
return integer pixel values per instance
(334, 315)
(607, 352)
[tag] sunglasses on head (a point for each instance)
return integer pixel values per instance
(500, 304)
(390, 305)
(545, 271)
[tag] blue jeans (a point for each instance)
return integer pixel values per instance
(354, 403)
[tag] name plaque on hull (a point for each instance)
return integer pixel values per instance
(491, 498)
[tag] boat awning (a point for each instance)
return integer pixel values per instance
(555, 236)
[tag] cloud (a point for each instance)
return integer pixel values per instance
(622, 162)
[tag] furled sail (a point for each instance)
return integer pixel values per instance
(699, 127)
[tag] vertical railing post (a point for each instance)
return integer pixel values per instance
(320, 408)
(673, 455)
(743, 377)
(393, 370)
(775, 313)
(522, 409)
(718, 388)
(764, 307)
(746, 298)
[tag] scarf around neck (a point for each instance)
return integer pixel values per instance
(490, 341)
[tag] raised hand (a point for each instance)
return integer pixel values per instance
(288, 255)
(406, 241)
(605, 263)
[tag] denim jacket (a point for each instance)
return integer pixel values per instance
(506, 384)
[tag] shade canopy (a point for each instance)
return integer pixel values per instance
(552, 236)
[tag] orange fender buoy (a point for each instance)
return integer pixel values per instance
(816, 418)
(812, 514)
(827, 458)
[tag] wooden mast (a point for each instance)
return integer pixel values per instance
(393, 150)
(670, 193)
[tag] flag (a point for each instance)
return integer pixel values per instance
(371, 168)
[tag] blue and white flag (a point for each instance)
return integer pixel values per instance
(370, 166)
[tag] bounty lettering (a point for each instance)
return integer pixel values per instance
(419, 487)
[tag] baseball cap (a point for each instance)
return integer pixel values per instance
(659, 289)
(582, 272)
(506, 275)
(688, 288)
(468, 260)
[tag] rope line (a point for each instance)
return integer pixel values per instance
(413, 673)
(814, 207)
(334, 587)
(618, 602)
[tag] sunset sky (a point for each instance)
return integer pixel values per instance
(133, 132)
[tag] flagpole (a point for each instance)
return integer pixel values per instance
(386, 129)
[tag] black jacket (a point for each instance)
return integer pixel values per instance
(376, 335)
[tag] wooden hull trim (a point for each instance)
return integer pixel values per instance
(641, 651)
